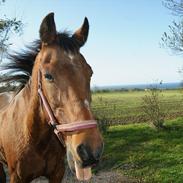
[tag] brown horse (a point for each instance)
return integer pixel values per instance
(5, 98)
(57, 88)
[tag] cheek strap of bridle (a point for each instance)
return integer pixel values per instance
(59, 129)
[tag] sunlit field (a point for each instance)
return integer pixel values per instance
(126, 107)
(135, 149)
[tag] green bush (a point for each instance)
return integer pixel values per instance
(152, 107)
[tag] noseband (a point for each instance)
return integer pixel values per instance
(61, 129)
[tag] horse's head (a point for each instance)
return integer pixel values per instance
(66, 85)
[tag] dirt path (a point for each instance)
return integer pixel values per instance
(102, 177)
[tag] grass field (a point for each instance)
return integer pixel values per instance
(135, 149)
(126, 107)
(146, 154)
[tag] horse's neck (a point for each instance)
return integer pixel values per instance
(5, 99)
(34, 119)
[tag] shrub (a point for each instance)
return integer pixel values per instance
(151, 106)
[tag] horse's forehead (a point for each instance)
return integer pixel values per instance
(55, 58)
(73, 59)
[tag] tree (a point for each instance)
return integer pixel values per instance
(7, 28)
(176, 6)
(174, 38)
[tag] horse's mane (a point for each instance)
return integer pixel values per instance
(20, 64)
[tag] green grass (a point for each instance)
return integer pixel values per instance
(144, 153)
(126, 107)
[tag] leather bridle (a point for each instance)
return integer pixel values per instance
(61, 129)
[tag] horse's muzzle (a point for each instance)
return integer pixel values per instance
(87, 156)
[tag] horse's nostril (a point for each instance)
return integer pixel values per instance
(88, 157)
(82, 152)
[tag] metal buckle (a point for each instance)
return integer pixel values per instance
(60, 137)
(53, 124)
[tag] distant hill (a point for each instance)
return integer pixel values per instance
(139, 86)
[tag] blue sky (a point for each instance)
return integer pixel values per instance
(123, 44)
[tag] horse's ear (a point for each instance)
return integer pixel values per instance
(48, 29)
(81, 34)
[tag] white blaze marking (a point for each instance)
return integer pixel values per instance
(87, 104)
(71, 58)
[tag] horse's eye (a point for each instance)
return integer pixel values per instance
(48, 77)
